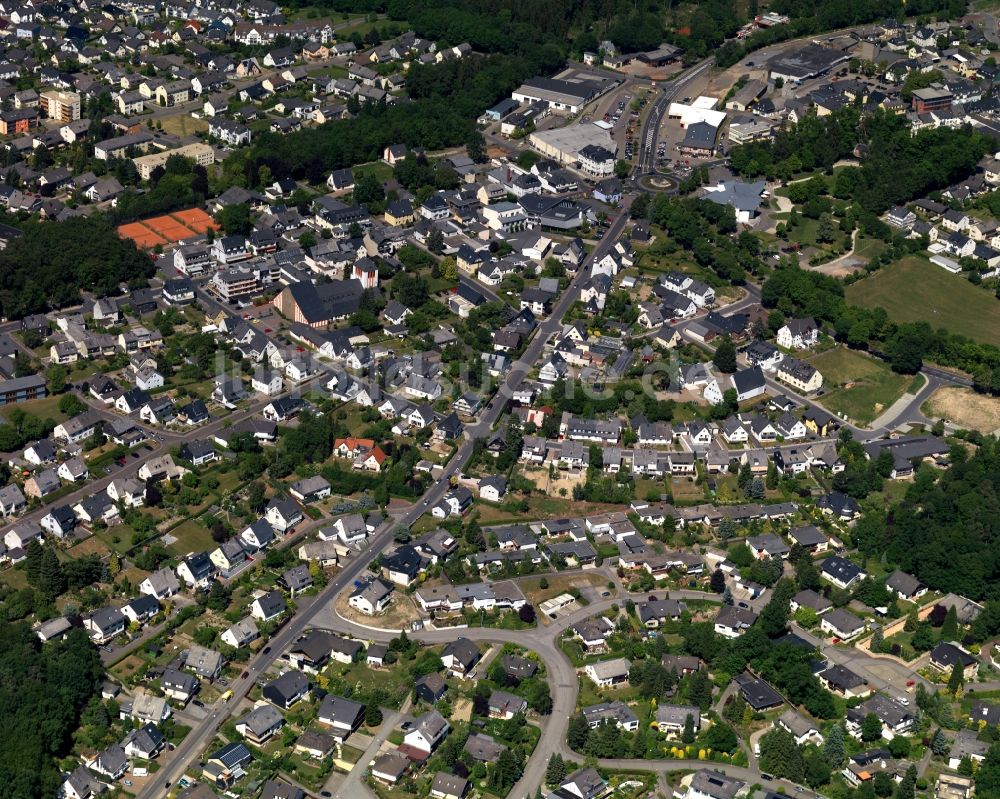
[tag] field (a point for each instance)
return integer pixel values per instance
(183, 124)
(45, 408)
(858, 386)
(964, 408)
(915, 290)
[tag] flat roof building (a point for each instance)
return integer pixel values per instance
(201, 154)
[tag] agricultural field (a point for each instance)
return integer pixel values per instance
(915, 290)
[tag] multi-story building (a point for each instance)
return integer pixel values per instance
(64, 106)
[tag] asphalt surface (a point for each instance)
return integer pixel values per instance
(192, 746)
(544, 640)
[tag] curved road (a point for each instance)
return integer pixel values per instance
(563, 685)
(200, 737)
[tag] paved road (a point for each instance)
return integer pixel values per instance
(199, 738)
(353, 785)
(649, 135)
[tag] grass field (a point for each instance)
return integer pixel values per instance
(45, 408)
(915, 290)
(858, 386)
(381, 170)
(183, 124)
(868, 248)
(191, 537)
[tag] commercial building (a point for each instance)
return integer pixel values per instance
(805, 63)
(571, 145)
(563, 95)
(931, 98)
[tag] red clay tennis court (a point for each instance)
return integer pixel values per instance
(143, 237)
(168, 228)
(196, 219)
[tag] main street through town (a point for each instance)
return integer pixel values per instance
(319, 610)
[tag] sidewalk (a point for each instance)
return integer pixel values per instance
(889, 415)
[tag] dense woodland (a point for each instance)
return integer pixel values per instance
(53, 262)
(945, 532)
(43, 691)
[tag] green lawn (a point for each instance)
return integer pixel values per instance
(866, 247)
(915, 290)
(380, 169)
(860, 386)
(47, 407)
(191, 537)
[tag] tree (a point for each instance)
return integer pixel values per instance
(700, 689)
(687, 736)
(774, 618)
(718, 581)
(622, 169)
(780, 755)
(949, 629)
(871, 728)
(939, 743)
(475, 146)
(725, 356)
(448, 268)
(435, 241)
(55, 378)
(883, 784)
(923, 637)
(368, 191)
(235, 219)
(526, 613)
(51, 580)
(577, 732)
(555, 772)
(956, 679)
(33, 561)
(373, 715)
(825, 230)
(71, 405)
(835, 747)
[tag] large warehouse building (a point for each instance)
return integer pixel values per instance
(564, 145)
(805, 63)
(570, 93)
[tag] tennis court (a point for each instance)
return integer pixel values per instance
(196, 219)
(143, 237)
(168, 228)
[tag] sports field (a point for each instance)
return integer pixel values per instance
(168, 228)
(915, 290)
